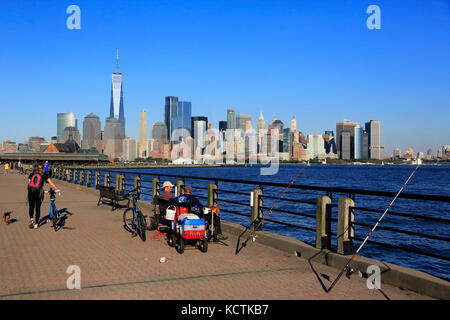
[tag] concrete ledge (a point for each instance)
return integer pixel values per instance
(392, 274)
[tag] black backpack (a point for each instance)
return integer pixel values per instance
(35, 182)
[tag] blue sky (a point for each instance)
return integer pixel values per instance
(315, 60)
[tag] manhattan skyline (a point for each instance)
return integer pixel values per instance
(315, 61)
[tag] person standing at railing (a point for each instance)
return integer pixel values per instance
(36, 181)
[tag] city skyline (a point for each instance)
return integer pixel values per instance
(406, 94)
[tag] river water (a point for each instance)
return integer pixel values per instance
(429, 180)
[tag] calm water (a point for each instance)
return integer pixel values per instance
(427, 180)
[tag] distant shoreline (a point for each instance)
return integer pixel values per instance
(165, 166)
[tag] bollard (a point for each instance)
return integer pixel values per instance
(155, 189)
(88, 179)
(120, 182)
(81, 178)
(137, 185)
(97, 179)
(256, 208)
(323, 222)
(212, 194)
(178, 187)
(106, 179)
(345, 226)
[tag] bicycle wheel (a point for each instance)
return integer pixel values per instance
(142, 225)
(55, 217)
(128, 221)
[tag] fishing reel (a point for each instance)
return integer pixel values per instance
(348, 271)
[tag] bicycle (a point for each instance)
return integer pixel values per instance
(133, 218)
(54, 213)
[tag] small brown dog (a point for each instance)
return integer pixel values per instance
(7, 217)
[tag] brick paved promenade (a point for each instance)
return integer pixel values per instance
(33, 262)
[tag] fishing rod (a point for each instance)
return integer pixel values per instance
(253, 233)
(347, 268)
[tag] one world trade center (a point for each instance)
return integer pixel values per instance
(116, 109)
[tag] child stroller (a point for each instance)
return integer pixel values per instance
(186, 228)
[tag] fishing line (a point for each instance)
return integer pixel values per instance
(253, 234)
(347, 269)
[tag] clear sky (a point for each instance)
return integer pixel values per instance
(315, 60)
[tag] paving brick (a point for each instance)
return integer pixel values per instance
(113, 265)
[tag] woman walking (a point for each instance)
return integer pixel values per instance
(36, 181)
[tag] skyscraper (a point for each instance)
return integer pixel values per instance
(113, 138)
(376, 151)
(293, 124)
(142, 145)
(65, 120)
(349, 127)
(358, 142)
(116, 108)
(241, 120)
(199, 126)
(231, 120)
(182, 118)
(91, 129)
(170, 111)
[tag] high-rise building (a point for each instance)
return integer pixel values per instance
(365, 145)
(345, 145)
(159, 132)
(358, 142)
(376, 151)
(71, 133)
(64, 120)
(182, 118)
(129, 147)
(113, 138)
(287, 140)
(316, 146)
(241, 121)
(293, 124)
(143, 144)
(116, 108)
(91, 130)
(349, 127)
(199, 126)
(222, 125)
(231, 119)
(170, 111)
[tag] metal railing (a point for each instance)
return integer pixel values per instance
(234, 196)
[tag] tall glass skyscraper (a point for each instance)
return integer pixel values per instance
(170, 111)
(182, 120)
(65, 120)
(231, 119)
(116, 109)
(358, 138)
(177, 115)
